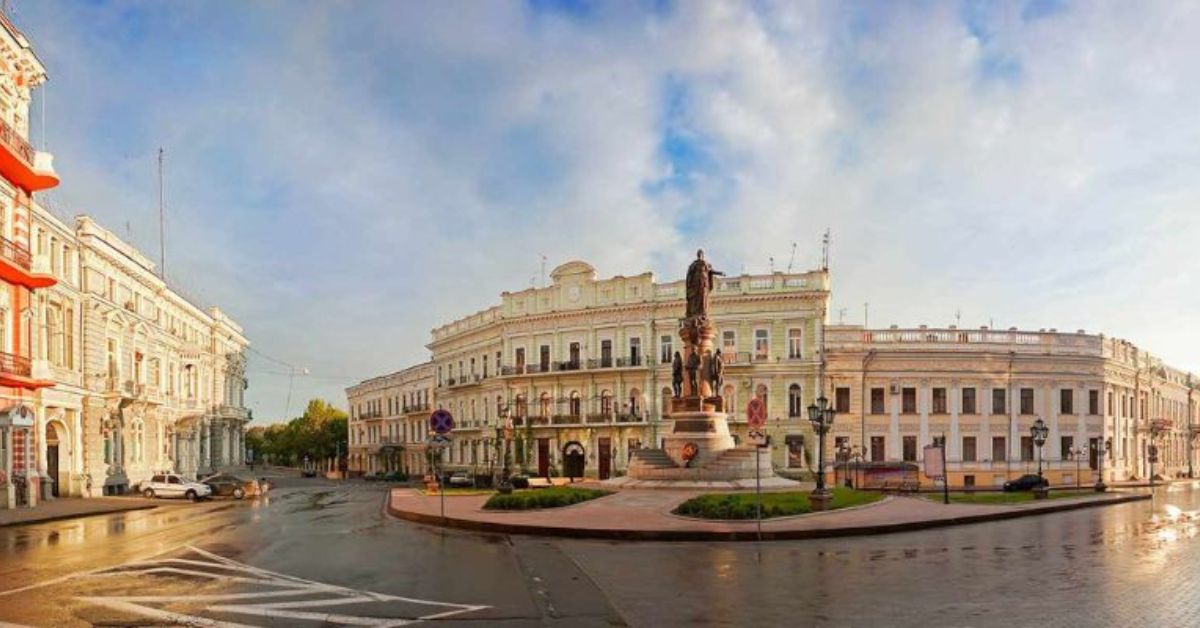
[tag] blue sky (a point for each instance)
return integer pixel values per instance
(343, 176)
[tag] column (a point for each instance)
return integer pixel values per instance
(893, 441)
(205, 447)
(1014, 433)
(1081, 432)
(924, 400)
(1053, 449)
(954, 447)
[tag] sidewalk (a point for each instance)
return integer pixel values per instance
(72, 507)
(646, 515)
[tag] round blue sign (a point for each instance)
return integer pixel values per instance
(441, 422)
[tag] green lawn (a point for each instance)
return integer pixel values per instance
(1020, 497)
(741, 505)
(554, 497)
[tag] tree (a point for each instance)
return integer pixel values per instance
(320, 433)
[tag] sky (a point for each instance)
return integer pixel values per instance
(341, 177)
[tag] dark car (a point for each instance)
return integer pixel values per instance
(1025, 483)
(226, 485)
(309, 473)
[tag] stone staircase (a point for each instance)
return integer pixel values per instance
(731, 464)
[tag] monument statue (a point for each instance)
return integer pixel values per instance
(716, 373)
(700, 278)
(693, 368)
(677, 375)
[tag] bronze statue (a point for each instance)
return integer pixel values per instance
(716, 372)
(677, 375)
(693, 368)
(700, 283)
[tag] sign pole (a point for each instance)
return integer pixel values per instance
(441, 473)
(945, 474)
(758, 490)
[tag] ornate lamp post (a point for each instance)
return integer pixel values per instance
(1039, 432)
(1103, 449)
(821, 417)
(505, 431)
(1078, 453)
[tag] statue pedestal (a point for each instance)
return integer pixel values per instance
(707, 431)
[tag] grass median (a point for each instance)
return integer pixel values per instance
(997, 498)
(731, 506)
(535, 499)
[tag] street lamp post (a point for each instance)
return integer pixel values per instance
(1078, 453)
(1102, 447)
(1039, 432)
(505, 487)
(821, 417)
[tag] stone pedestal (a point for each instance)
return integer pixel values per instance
(1041, 492)
(708, 431)
(820, 500)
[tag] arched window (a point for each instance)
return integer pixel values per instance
(522, 406)
(730, 396)
(635, 405)
(137, 440)
(573, 403)
(544, 403)
(606, 405)
(795, 401)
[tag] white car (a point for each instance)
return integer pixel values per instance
(171, 485)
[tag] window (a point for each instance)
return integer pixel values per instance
(666, 350)
(1066, 400)
(968, 449)
(841, 399)
(939, 401)
(1093, 402)
(729, 343)
(878, 451)
(635, 351)
(520, 358)
(1066, 444)
(877, 406)
(606, 406)
(1026, 448)
(575, 403)
(573, 352)
(544, 357)
(795, 343)
(968, 401)
(908, 401)
(762, 344)
(910, 448)
(841, 445)
(1111, 405)
(1026, 401)
(999, 449)
(998, 399)
(795, 402)
(605, 353)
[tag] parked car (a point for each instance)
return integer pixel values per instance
(1025, 483)
(171, 485)
(226, 485)
(309, 473)
(459, 478)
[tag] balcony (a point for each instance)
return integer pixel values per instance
(572, 365)
(416, 407)
(17, 371)
(28, 168)
(16, 266)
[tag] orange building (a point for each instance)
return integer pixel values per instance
(24, 171)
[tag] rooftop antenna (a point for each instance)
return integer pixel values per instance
(162, 242)
(771, 264)
(825, 250)
(842, 316)
(958, 317)
(543, 270)
(792, 259)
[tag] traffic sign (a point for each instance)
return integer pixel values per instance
(758, 437)
(756, 413)
(441, 421)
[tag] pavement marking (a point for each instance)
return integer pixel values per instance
(221, 569)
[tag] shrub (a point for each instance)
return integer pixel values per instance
(774, 504)
(556, 497)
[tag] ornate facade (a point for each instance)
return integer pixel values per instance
(389, 420)
(1111, 407)
(107, 375)
(585, 363)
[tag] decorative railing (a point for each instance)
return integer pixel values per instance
(15, 364)
(416, 407)
(16, 254)
(16, 143)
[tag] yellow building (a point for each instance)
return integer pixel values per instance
(389, 420)
(1104, 401)
(584, 363)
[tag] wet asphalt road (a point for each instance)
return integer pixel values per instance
(323, 553)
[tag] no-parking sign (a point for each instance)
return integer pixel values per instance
(441, 422)
(756, 413)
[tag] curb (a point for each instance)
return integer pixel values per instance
(743, 535)
(77, 515)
